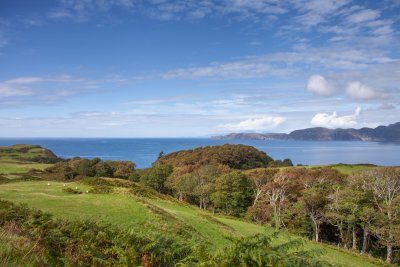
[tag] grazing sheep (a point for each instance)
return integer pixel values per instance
(48, 183)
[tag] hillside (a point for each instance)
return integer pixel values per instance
(156, 214)
(27, 153)
(389, 133)
(134, 208)
(234, 156)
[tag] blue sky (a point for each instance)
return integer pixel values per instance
(157, 68)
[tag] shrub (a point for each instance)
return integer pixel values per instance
(101, 189)
(70, 190)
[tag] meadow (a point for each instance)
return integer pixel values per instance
(160, 215)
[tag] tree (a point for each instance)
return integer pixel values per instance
(183, 185)
(205, 177)
(314, 202)
(368, 218)
(276, 191)
(160, 155)
(156, 177)
(384, 184)
(85, 168)
(260, 177)
(102, 169)
(319, 183)
(233, 193)
(343, 212)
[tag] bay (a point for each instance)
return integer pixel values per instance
(144, 151)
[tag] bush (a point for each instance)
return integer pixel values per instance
(70, 190)
(101, 189)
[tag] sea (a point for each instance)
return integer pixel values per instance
(144, 151)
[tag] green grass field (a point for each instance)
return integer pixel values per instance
(162, 216)
(7, 167)
(349, 169)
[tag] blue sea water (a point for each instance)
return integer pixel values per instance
(144, 151)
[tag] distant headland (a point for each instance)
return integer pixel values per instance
(390, 133)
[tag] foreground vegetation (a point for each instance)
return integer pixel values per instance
(153, 204)
(155, 216)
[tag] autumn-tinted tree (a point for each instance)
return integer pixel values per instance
(234, 156)
(277, 192)
(260, 177)
(384, 184)
(121, 169)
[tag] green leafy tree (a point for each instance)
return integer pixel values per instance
(233, 193)
(183, 185)
(344, 212)
(205, 177)
(103, 169)
(156, 177)
(314, 203)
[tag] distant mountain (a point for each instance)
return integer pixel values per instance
(389, 133)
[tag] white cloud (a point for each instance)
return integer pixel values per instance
(335, 121)
(318, 85)
(34, 90)
(255, 124)
(25, 80)
(357, 90)
(9, 91)
(333, 57)
(363, 15)
(238, 69)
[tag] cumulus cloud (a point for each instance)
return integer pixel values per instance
(357, 90)
(335, 121)
(255, 124)
(318, 85)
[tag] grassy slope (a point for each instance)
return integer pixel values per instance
(9, 167)
(18, 159)
(164, 216)
(347, 168)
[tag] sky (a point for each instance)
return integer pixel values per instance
(196, 68)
